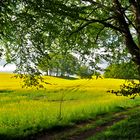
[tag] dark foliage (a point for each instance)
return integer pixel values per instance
(130, 89)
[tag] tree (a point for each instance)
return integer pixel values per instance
(31, 29)
(85, 72)
(59, 64)
(125, 70)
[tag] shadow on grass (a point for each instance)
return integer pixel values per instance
(9, 137)
(5, 91)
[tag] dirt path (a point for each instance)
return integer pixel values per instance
(76, 133)
(100, 128)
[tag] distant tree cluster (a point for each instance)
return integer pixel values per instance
(65, 65)
(84, 72)
(125, 70)
(59, 64)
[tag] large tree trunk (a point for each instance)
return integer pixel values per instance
(133, 49)
(132, 46)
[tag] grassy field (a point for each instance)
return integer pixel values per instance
(64, 102)
(126, 129)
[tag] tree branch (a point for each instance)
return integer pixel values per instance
(130, 22)
(103, 22)
(97, 36)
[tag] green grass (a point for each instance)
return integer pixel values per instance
(127, 129)
(25, 112)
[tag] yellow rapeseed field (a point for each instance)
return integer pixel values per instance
(25, 111)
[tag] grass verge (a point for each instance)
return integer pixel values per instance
(127, 129)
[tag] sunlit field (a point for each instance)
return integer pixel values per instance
(62, 103)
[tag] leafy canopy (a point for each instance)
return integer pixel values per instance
(32, 29)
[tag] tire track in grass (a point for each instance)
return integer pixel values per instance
(76, 133)
(100, 128)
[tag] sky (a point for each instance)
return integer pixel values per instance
(7, 68)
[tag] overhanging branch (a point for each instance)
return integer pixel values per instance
(97, 36)
(103, 22)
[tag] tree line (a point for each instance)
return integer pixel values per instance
(65, 65)
(124, 70)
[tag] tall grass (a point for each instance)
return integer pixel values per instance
(127, 129)
(25, 112)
